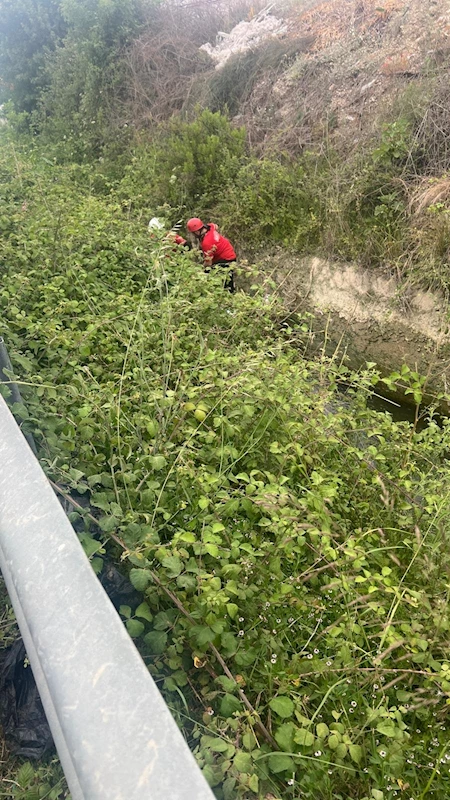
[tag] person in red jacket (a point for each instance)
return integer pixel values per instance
(217, 250)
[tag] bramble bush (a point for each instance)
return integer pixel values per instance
(289, 544)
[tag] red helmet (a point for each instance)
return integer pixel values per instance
(195, 224)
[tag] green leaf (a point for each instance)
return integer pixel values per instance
(187, 537)
(232, 609)
(322, 730)
(203, 503)
(156, 641)
(229, 705)
(212, 549)
(226, 683)
(355, 753)
(134, 627)
(173, 565)
(334, 741)
(108, 524)
(217, 527)
(278, 762)
(284, 736)
(283, 706)
(143, 611)
(341, 750)
(218, 745)
(90, 545)
(162, 621)
(229, 643)
(140, 578)
(203, 634)
(25, 775)
(158, 462)
(125, 611)
(304, 737)
(97, 565)
(387, 728)
(242, 762)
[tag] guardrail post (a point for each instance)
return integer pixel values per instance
(113, 731)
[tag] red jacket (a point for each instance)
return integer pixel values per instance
(215, 247)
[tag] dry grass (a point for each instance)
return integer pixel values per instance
(331, 21)
(429, 192)
(165, 75)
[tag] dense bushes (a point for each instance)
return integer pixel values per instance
(304, 535)
(186, 165)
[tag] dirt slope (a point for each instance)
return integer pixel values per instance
(363, 54)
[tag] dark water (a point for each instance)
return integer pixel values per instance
(398, 411)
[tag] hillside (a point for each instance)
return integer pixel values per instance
(361, 57)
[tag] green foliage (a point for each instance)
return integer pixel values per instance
(304, 535)
(29, 782)
(29, 31)
(271, 201)
(87, 74)
(188, 165)
(395, 142)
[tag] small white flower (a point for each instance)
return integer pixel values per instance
(290, 782)
(383, 753)
(353, 703)
(273, 660)
(318, 753)
(241, 633)
(316, 650)
(310, 655)
(329, 663)
(241, 619)
(278, 620)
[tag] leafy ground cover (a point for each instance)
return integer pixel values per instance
(289, 544)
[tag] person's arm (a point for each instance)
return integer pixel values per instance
(208, 257)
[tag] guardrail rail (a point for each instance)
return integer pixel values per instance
(114, 734)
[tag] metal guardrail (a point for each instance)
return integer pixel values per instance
(15, 396)
(114, 733)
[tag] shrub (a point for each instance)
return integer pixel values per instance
(188, 165)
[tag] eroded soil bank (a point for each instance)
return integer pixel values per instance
(367, 316)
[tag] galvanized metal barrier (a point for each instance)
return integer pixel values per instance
(113, 731)
(15, 396)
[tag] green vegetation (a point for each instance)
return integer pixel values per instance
(302, 535)
(289, 544)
